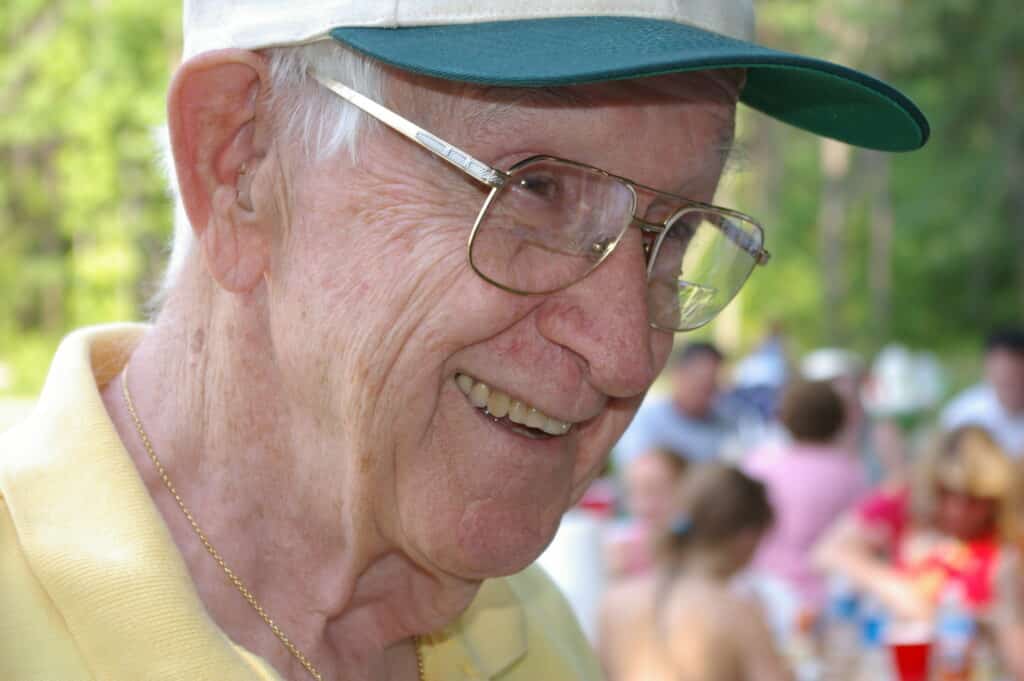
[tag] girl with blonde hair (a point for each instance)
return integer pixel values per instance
(953, 524)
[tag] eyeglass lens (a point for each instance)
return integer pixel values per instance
(697, 267)
(553, 222)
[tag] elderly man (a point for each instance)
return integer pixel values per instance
(344, 418)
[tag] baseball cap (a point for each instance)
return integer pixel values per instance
(535, 43)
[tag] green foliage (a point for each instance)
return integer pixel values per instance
(957, 253)
(82, 203)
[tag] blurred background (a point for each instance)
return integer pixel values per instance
(926, 249)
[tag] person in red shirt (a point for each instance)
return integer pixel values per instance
(953, 523)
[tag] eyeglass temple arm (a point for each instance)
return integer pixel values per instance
(478, 170)
(733, 233)
(744, 241)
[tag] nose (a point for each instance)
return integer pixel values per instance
(603, 320)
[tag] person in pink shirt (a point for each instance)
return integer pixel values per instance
(811, 481)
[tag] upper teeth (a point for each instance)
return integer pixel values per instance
(500, 404)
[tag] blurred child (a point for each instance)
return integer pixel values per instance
(811, 481)
(952, 525)
(683, 621)
(650, 480)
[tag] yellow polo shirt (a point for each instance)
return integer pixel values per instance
(92, 588)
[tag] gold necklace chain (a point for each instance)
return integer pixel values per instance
(232, 577)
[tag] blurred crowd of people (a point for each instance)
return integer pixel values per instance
(799, 521)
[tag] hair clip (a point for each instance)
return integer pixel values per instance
(682, 526)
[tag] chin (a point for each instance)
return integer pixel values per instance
(492, 541)
(478, 500)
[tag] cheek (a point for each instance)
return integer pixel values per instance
(364, 313)
(965, 516)
(981, 513)
(661, 348)
(366, 273)
(471, 503)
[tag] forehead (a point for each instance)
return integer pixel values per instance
(711, 91)
(664, 131)
(645, 471)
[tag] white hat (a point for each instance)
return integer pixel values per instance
(827, 364)
(251, 24)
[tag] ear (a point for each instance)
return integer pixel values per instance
(216, 125)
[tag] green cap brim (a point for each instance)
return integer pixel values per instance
(819, 96)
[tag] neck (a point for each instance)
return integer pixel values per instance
(277, 497)
(709, 564)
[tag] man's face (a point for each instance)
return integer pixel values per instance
(695, 384)
(1004, 370)
(376, 312)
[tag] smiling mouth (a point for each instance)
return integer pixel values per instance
(503, 408)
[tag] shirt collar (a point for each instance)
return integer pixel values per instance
(492, 632)
(93, 537)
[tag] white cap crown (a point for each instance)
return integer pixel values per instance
(254, 24)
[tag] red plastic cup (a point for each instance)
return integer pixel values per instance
(911, 648)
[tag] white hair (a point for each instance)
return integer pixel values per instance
(305, 112)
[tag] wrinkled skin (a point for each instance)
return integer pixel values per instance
(377, 273)
(299, 382)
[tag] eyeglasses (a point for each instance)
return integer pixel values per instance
(549, 222)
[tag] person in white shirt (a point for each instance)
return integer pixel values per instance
(688, 420)
(997, 404)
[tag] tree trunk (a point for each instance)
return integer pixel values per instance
(880, 248)
(835, 168)
(849, 40)
(1013, 134)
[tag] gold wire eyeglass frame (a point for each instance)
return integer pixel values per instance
(495, 180)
